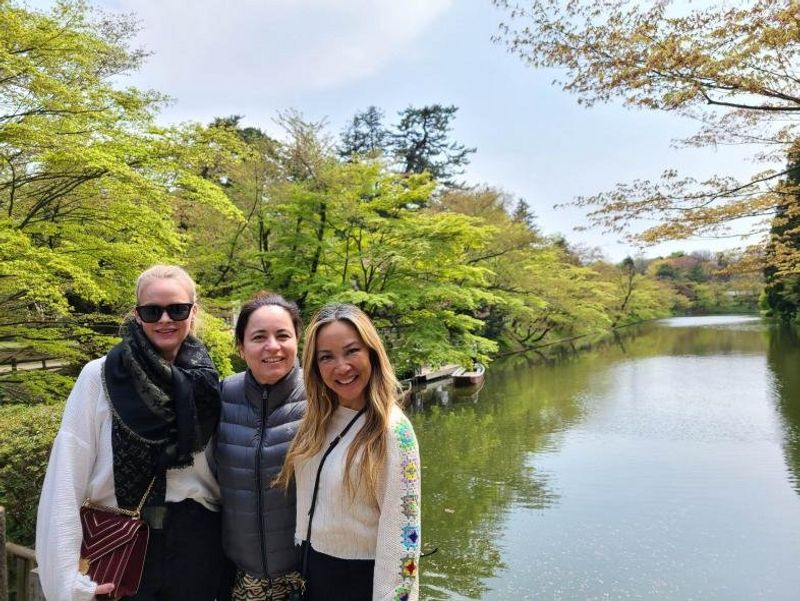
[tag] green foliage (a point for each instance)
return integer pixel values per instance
(782, 290)
(218, 339)
(35, 387)
(541, 292)
(422, 143)
(665, 270)
(26, 436)
(365, 135)
(723, 282)
(319, 230)
(782, 298)
(448, 275)
(419, 143)
(89, 185)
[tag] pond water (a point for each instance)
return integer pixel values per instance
(661, 465)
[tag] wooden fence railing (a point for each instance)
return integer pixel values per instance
(26, 579)
(13, 364)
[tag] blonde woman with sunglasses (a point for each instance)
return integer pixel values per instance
(135, 427)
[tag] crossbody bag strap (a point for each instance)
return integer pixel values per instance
(146, 494)
(136, 513)
(330, 448)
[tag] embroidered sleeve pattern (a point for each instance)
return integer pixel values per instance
(397, 557)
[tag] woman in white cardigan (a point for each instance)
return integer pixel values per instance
(365, 531)
(140, 415)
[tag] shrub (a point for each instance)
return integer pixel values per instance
(35, 386)
(218, 338)
(26, 436)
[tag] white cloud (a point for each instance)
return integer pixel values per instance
(214, 53)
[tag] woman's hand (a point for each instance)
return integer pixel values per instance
(104, 589)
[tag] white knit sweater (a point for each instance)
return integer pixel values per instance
(386, 528)
(81, 467)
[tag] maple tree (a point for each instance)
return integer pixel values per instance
(733, 68)
(88, 186)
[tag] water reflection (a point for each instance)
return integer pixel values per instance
(618, 471)
(741, 336)
(475, 446)
(726, 321)
(784, 360)
(443, 393)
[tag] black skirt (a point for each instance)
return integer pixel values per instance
(334, 579)
(184, 558)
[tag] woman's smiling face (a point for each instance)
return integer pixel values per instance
(344, 363)
(270, 344)
(166, 334)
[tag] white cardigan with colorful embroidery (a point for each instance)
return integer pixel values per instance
(386, 528)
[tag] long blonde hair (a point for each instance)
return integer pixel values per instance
(381, 396)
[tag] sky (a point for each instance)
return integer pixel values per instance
(329, 59)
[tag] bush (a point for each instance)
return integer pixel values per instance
(35, 386)
(218, 338)
(26, 436)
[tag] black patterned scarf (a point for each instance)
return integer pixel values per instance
(162, 413)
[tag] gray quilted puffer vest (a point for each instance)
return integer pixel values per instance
(256, 425)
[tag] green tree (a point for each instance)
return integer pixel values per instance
(633, 296)
(317, 229)
(697, 273)
(782, 290)
(541, 292)
(378, 249)
(421, 143)
(523, 214)
(365, 135)
(88, 183)
(666, 271)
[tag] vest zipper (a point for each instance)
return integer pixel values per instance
(259, 487)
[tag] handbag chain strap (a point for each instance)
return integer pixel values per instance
(136, 513)
(331, 446)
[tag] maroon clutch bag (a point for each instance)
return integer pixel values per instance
(114, 546)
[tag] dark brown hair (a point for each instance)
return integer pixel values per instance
(262, 299)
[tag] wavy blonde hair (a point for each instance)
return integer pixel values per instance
(381, 395)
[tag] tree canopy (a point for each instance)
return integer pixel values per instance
(365, 135)
(421, 141)
(92, 190)
(88, 182)
(732, 68)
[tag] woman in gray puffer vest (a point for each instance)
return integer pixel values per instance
(261, 410)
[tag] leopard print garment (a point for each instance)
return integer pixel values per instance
(289, 587)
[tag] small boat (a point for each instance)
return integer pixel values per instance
(430, 374)
(473, 377)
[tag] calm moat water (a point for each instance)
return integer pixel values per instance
(662, 466)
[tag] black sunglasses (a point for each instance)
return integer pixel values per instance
(176, 312)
